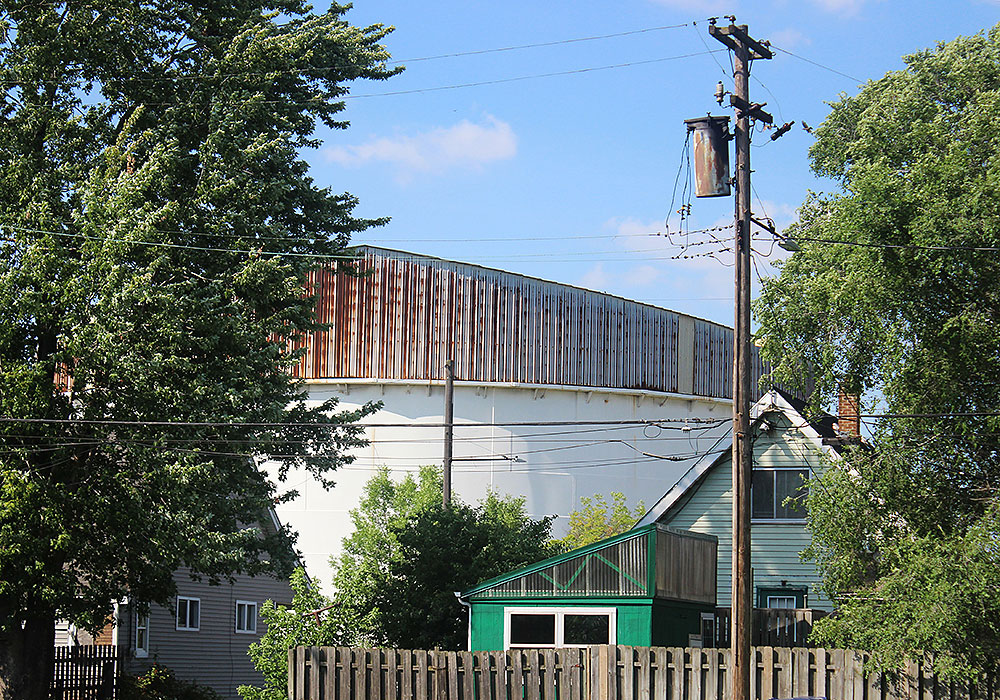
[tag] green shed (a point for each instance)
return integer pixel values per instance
(645, 587)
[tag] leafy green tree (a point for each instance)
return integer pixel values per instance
(395, 582)
(307, 622)
(373, 547)
(447, 550)
(892, 294)
(158, 225)
(596, 519)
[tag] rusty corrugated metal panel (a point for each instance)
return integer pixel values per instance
(402, 316)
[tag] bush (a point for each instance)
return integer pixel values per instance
(160, 683)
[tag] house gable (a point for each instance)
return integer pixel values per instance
(702, 502)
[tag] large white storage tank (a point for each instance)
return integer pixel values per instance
(560, 392)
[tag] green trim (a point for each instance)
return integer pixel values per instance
(572, 579)
(560, 558)
(615, 568)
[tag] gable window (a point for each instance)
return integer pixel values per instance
(782, 597)
(246, 616)
(141, 635)
(769, 490)
(558, 627)
(188, 613)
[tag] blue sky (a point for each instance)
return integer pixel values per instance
(566, 177)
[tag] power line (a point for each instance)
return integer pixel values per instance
(538, 45)
(900, 246)
(818, 65)
(221, 424)
(413, 91)
(534, 76)
(338, 66)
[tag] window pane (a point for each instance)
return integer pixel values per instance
(781, 601)
(182, 612)
(586, 629)
(193, 614)
(526, 629)
(788, 483)
(762, 493)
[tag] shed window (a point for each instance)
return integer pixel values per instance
(559, 627)
(771, 488)
(188, 613)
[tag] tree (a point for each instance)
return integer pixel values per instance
(596, 519)
(445, 550)
(893, 294)
(305, 622)
(158, 225)
(395, 582)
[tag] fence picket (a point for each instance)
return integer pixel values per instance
(502, 692)
(596, 673)
(516, 674)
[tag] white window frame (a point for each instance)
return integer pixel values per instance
(249, 605)
(560, 613)
(141, 623)
(772, 599)
(187, 627)
(774, 496)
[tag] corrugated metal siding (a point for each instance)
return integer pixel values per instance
(713, 361)
(619, 569)
(403, 316)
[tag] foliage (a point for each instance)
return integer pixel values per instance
(443, 551)
(301, 623)
(395, 582)
(908, 312)
(160, 683)
(385, 508)
(158, 226)
(596, 519)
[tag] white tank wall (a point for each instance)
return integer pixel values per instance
(560, 464)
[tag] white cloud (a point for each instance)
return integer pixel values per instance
(463, 146)
(596, 278)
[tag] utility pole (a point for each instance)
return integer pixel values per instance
(449, 429)
(745, 49)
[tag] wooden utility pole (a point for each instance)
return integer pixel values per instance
(449, 429)
(745, 49)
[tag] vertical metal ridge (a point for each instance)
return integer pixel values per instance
(402, 317)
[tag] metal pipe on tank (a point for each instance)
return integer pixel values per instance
(711, 155)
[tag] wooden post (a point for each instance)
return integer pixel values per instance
(449, 429)
(744, 50)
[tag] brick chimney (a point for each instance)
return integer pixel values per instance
(848, 410)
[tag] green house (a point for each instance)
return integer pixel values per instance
(647, 586)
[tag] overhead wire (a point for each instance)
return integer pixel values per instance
(817, 64)
(540, 44)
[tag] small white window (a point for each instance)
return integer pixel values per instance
(783, 602)
(246, 616)
(141, 635)
(188, 613)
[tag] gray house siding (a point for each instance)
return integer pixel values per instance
(216, 654)
(775, 546)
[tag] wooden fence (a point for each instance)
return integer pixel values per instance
(769, 627)
(86, 672)
(604, 673)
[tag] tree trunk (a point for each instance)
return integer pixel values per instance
(26, 659)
